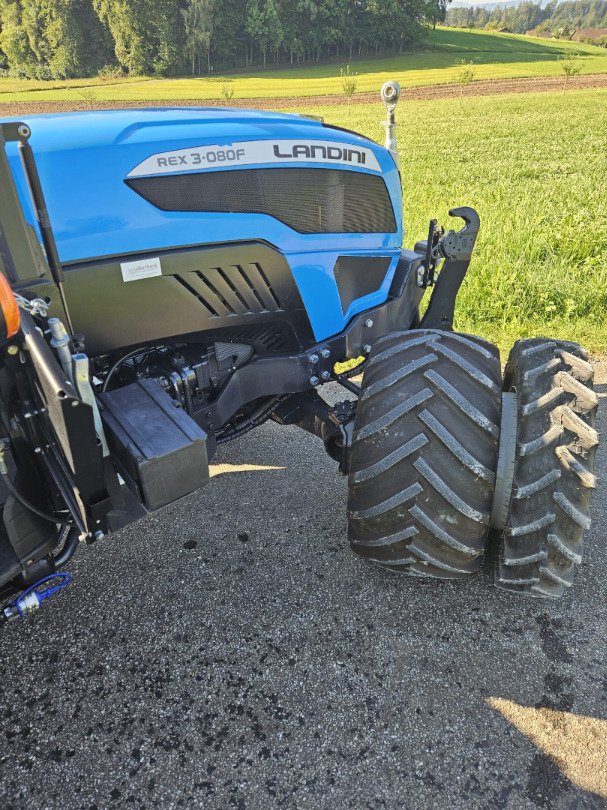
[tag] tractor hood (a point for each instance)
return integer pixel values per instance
(129, 181)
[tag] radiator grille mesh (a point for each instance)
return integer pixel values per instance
(307, 200)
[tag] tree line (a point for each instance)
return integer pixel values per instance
(48, 39)
(557, 18)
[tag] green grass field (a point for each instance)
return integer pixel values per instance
(495, 56)
(534, 166)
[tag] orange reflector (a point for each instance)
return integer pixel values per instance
(10, 308)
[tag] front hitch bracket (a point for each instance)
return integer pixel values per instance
(456, 248)
(456, 245)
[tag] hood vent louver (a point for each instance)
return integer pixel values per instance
(234, 290)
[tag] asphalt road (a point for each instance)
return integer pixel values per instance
(232, 652)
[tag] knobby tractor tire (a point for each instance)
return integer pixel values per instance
(424, 453)
(554, 466)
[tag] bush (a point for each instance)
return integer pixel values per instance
(570, 66)
(43, 72)
(601, 43)
(88, 96)
(227, 89)
(349, 82)
(465, 75)
(111, 73)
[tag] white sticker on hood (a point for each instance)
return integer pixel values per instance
(144, 268)
(243, 153)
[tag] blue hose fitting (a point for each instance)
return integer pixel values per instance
(33, 598)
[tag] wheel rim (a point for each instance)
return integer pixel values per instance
(506, 458)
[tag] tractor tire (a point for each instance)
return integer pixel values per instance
(424, 453)
(553, 469)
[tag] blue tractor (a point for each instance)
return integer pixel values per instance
(172, 278)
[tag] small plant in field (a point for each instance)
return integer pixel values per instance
(570, 66)
(349, 82)
(89, 97)
(465, 75)
(227, 89)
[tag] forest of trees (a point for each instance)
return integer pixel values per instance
(561, 19)
(48, 39)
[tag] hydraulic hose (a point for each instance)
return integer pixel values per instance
(257, 418)
(349, 386)
(353, 372)
(21, 498)
(33, 597)
(30, 506)
(117, 365)
(68, 549)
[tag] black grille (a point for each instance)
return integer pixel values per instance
(277, 337)
(307, 200)
(233, 290)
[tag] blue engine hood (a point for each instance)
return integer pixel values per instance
(84, 158)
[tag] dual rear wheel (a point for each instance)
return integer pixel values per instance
(443, 450)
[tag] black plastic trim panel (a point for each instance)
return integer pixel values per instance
(357, 276)
(219, 289)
